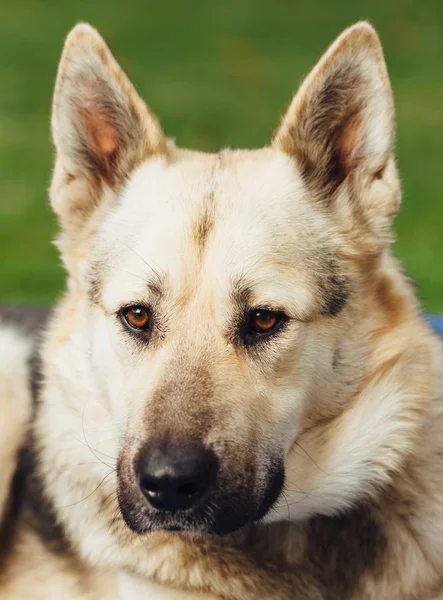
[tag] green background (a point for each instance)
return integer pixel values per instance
(218, 73)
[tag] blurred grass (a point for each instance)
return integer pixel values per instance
(217, 74)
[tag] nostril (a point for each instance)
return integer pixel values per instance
(158, 489)
(150, 487)
(190, 489)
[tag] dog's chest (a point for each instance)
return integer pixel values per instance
(135, 588)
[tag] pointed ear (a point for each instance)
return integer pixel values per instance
(341, 121)
(101, 128)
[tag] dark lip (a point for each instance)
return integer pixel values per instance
(226, 521)
(190, 525)
(173, 529)
(274, 490)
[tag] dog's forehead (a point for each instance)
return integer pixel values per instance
(233, 215)
(244, 195)
(231, 183)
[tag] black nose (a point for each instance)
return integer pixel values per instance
(176, 477)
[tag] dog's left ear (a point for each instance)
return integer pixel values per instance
(341, 121)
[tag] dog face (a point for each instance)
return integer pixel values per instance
(204, 261)
(216, 289)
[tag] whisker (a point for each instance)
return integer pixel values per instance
(156, 273)
(288, 519)
(88, 445)
(112, 496)
(59, 472)
(132, 274)
(309, 456)
(89, 495)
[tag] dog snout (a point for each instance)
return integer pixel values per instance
(176, 477)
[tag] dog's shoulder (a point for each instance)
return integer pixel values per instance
(22, 503)
(16, 351)
(33, 548)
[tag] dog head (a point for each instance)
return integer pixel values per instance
(220, 296)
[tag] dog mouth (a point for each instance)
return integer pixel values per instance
(220, 511)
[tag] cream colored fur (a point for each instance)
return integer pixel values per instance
(15, 402)
(348, 394)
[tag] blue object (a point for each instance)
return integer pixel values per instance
(436, 322)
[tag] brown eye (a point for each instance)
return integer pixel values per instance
(260, 324)
(137, 317)
(264, 320)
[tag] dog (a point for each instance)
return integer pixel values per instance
(238, 396)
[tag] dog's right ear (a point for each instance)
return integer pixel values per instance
(101, 128)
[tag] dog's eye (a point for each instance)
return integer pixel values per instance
(261, 323)
(137, 317)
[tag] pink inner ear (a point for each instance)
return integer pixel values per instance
(105, 136)
(349, 143)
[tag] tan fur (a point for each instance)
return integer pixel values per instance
(34, 572)
(348, 395)
(15, 403)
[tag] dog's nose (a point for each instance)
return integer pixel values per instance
(176, 477)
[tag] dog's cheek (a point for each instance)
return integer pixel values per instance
(109, 368)
(286, 390)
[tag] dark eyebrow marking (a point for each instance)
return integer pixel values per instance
(333, 287)
(241, 293)
(156, 282)
(94, 285)
(331, 282)
(156, 285)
